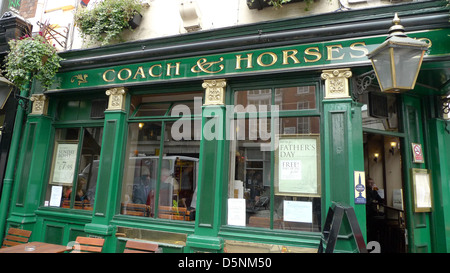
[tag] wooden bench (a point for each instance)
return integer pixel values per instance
(85, 205)
(16, 236)
(140, 247)
(174, 213)
(135, 209)
(88, 245)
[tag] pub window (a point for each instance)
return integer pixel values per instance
(74, 171)
(161, 164)
(274, 175)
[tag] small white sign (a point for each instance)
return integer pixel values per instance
(297, 211)
(55, 196)
(236, 212)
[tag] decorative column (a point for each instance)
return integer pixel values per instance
(40, 104)
(29, 174)
(336, 83)
(110, 171)
(116, 99)
(343, 148)
(214, 92)
(211, 183)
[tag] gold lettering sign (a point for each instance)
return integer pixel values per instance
(227, 63)
(272, 55)
(249, 61)
(294, 57)
(290, 55)
(334, 48)
(152, 74)
(312, 51)
(176, 66)
(204, 66)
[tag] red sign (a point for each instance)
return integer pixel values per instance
(417, 153)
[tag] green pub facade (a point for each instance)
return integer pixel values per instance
(240, 139)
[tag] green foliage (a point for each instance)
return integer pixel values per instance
(107, 19)
(31, 57)
(278, 3)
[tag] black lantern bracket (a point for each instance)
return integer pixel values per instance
(23, 102)
(361, 84)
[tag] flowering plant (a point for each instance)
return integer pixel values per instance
(31, 57)
(105, 22)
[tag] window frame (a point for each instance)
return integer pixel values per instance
(297, 113)
(81, 126)
(166, 118)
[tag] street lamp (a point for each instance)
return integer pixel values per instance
(397, 60)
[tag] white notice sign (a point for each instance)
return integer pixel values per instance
(236, 212)
(55, 196)
(297, 211)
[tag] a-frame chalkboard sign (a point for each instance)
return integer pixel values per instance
(333, 224)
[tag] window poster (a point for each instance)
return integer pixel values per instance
(297, 165)
(64, 163)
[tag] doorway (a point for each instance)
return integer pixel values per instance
(385, 208)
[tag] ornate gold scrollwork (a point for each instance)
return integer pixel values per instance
(116, 98)
(203, 66)
(80, 77)
(214, 91)
(336, 83)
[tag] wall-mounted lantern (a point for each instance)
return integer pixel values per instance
(393, 146)
(375, 157)
(397, 61)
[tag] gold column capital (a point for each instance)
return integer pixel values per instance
(214, 91)
(40, 104)
(336, 83)
(116, 98)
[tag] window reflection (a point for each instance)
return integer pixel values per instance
(160, 178)
(254, 174)
(74, 152)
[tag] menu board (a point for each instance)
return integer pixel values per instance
(64, 163)
(422, 190)
(297, 165)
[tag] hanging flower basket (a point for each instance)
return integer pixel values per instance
(31, 58)
(260, 4)
(106, 21)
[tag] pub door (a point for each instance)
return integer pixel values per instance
(385, 190)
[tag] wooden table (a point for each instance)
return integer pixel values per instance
(35, 247)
